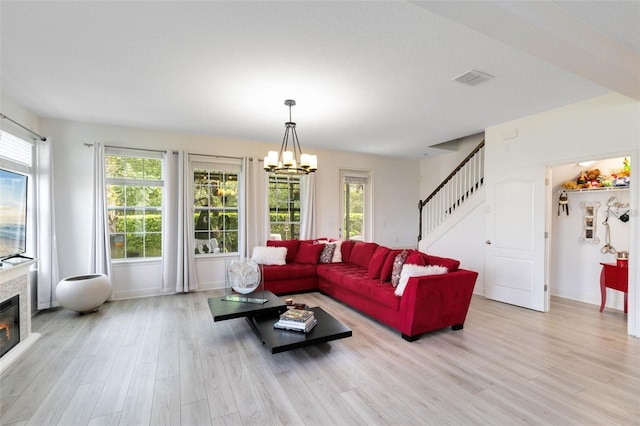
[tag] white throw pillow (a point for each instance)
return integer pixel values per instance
(270, 255)
(337, 253)
(409, 270)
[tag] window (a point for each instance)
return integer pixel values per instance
(356, 222)
(284, 206)
(134, 203)
(216, 208)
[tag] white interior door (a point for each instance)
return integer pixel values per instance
(515, 250)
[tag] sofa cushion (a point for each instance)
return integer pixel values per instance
(376, 263)
(337, 253)
(346, 248)
(452, 265)
(269, 255)
(308, 253)
(381, 293)
(398, 263)
(416, 258)
(326, 255)
(290, 245)
(290, 271)
(334, 272)
(387, 267)
(361, 253)
(410, 270)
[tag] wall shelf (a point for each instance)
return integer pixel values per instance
(602, 189)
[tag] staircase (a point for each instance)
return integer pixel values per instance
(456, 189)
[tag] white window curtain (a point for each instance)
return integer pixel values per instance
(308, 207)
(36, 160)
(178, 262)
(46, 248)
(100, 259)
(256, 206)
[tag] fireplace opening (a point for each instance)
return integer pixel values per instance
(9, 324)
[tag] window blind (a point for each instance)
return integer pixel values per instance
(356, 179)
(15, 153)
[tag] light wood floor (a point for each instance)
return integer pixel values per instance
(163, 360)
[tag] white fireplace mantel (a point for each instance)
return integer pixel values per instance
(13, 280)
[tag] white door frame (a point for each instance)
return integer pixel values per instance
(367, 225)
(633, 315)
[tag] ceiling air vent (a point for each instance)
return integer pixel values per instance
(473, 78)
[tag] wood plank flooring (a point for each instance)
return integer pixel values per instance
(163, 361)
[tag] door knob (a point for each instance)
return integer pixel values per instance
(488, 242)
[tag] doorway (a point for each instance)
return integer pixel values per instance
(588, 225)
(355, 205)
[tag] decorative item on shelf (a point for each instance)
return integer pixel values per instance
(622, 177)
(563, 203)
(618, 209)
(244, 276)
(595, 179)
(582, 179)
(622, 259)
(590, 214)
(293, 305)
(607, 247)
(294, 161)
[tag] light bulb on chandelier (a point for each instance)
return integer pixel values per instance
(290, 161)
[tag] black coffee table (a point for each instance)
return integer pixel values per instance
(225, 309)
(327, 329)
(261, 318)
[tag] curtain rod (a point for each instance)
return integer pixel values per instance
(173, 152)
(212, 155)
(4, 117)
(89, 145)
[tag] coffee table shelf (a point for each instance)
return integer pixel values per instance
(327, 329)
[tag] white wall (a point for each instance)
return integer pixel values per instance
(465, 240)
(15, 111)
(602, 127)
(433, 170)
(395, 183)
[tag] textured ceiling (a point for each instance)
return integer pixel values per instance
(370, 77)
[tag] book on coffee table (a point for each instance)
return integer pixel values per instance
(293, 326)
(296, 315)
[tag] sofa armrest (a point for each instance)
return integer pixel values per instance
(436, 301)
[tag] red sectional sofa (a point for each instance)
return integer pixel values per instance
(362, 280)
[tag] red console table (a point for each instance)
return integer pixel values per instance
(616, 277)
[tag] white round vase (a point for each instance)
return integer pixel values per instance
(83, 293)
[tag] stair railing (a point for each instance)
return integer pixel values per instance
(461, 183)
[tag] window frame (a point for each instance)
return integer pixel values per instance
(126, 182)
(366, 178)
(225, 166)
(274, 178)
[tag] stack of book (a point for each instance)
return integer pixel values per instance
(296, 320)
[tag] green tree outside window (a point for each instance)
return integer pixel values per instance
(134, 206)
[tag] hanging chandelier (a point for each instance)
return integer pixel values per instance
(290, 161)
